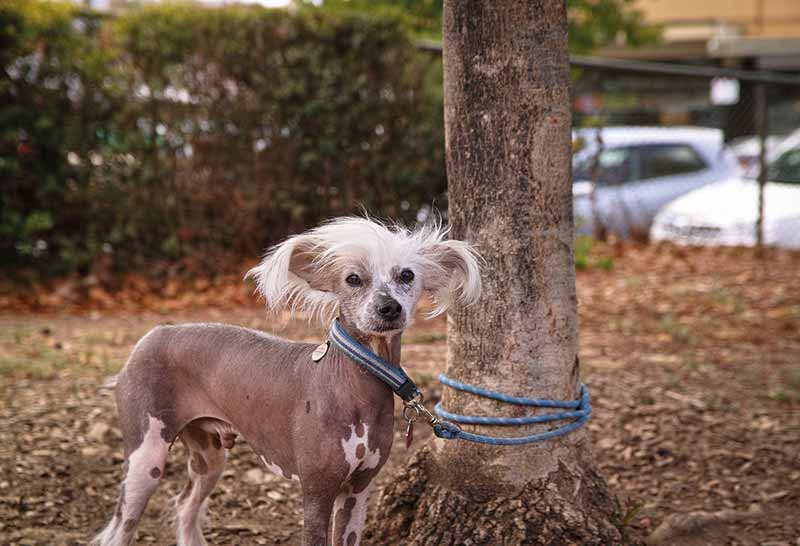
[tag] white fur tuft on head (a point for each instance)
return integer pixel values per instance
(278, 278)
(302, 272)
(456, 276)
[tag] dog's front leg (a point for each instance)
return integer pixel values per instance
(317, 508)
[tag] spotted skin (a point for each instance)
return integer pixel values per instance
(326, 423)
(191, 502)
(351, 435)
(141, 481)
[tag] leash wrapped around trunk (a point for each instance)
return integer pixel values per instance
(578, 414)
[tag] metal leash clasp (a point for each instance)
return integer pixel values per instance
(410, 414)
(412, 410)
(416, 403)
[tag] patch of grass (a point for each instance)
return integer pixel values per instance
(624, 325)
(789, 391)
(625, 515)
(606, 263)
(724, 297)
(583, 246)
(38, 362)
(96, 339)
(691, 364)
(110, 366)
(645, 399)
(17, 334)
(715, 402)
(586, 258)
(677, 331)
(781, 394)
(793, 378)
(634, 282)
(712, 400)
(631, 511)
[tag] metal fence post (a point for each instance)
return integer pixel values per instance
(599, 230)
(762, 117)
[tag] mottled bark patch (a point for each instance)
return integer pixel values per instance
(543, 512)
(129, 525)
(351, 538)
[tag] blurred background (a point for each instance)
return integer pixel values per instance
(186, 137)
(151, 151)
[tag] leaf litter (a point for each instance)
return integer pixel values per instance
(692, 357)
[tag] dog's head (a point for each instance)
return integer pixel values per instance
(370, 274)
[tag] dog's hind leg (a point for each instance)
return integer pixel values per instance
(317, 508)
(206, 463)
(144, 468)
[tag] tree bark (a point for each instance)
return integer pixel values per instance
(507, 121)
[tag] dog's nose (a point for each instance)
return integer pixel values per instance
(388, 308)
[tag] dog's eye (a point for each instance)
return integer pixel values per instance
(406, 275)
(353, 280)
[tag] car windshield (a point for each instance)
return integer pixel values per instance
(785, 169)
(622, 164)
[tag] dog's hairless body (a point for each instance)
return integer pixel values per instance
(325, 422)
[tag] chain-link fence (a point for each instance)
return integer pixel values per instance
(691, 154)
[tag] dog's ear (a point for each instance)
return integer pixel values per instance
(455, 275)
(290, 275)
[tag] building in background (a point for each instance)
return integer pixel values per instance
(740, 34)
(731, 33)
(114, 5)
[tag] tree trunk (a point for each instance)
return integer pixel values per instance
(507, 120)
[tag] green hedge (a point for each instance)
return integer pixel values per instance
(201, 135)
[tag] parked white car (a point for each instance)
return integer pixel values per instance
(748, 150)
(624, 177)
(725, 213)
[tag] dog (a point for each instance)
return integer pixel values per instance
(319, 420)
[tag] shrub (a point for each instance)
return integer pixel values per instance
(201, 135)
(51, 113)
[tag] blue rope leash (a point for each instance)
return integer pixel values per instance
(397, 379)
(447, 430)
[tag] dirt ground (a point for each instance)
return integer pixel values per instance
(692, 358)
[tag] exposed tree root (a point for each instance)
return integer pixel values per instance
(418, 509)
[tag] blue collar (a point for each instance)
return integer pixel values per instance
(394, 376)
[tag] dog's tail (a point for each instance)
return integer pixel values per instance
(110, 383)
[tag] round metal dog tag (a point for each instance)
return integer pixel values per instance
(319, 352)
